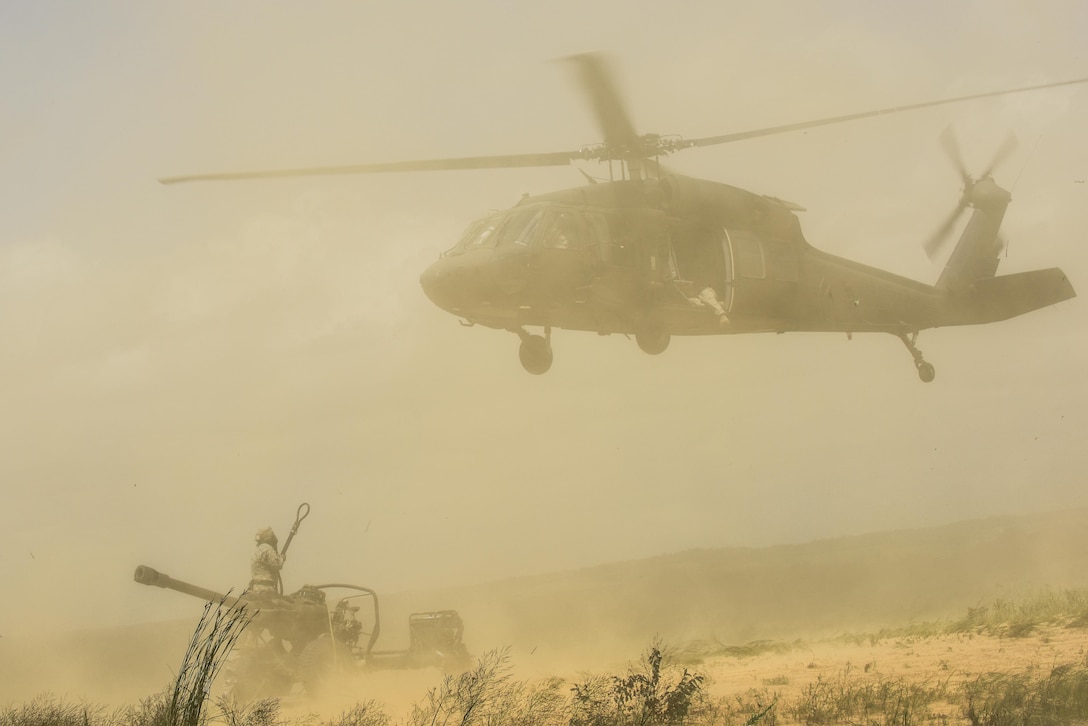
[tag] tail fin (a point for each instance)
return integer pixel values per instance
(977, 252)
(978, 296)
(1001, 298)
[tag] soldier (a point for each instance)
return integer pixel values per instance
(265, 564)
(708, 298)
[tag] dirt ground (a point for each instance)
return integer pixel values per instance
(786, 676)
(950, 659)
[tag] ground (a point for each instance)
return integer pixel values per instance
(865, 679)
(820, 670)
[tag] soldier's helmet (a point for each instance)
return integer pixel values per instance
(265, 534)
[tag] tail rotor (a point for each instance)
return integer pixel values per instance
(939, 239)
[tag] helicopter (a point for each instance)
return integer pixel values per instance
(652, 254)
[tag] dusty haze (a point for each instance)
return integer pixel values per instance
(184, 365)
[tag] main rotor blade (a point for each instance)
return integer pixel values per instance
(608, 107)
(559, 158)
(740, 136)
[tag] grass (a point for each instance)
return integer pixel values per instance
(47, 710)
(698, 651)
(1008, 618)
(212, 640)
(880, 701)
(651, 693)
(997, 699)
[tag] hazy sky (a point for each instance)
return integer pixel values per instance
(182, 365)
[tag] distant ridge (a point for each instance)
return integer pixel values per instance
(786, 591)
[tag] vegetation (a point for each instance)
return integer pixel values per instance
(47, 710)
(696, 652)
(487, 694)
(212, 641)
(664, 687)
(653, 693)
(1061, 697)
(1004, 618)
(879, 701)
(649, 694)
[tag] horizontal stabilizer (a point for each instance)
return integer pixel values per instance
(1001, 298)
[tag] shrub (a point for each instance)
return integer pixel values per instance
(486, 694)
(651, 694)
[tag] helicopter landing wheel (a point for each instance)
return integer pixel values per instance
(535, 354)
(926, 371)
(652, 338)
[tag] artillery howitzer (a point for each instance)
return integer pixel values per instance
(297, 638)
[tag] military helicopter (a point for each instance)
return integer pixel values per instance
(653, 254)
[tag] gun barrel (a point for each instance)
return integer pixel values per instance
(150, 576)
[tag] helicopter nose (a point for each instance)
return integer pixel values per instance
(443, 283)
(461, 284)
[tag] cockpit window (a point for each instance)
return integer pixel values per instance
(480, 233)
(519, 227)
(484, 235)
(547, 228)
(565, 229)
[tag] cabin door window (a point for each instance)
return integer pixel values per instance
(747, 255)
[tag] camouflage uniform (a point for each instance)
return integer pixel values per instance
(265, 564)
(708, 298)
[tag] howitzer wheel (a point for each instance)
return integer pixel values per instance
(456, 660)
(320, 659)
(252, 678)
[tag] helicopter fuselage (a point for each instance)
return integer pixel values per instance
(679, 256)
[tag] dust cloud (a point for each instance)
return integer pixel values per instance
(599, 619)
(183, 365)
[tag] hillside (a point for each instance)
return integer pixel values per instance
(782, 592)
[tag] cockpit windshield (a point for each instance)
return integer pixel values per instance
(519, 227)
(565, 229)
(480, 233)
(505, 228)
(544, 227)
